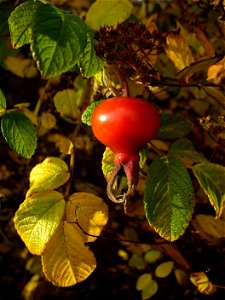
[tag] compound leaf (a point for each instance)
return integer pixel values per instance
(169, 197)
(37, 219)
(66, 260)
(19, 132)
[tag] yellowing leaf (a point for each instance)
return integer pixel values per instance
(143, 280)
(66, 260)
(201, 281)
(164, 269)
(107, 162)
(216, 72)
(66, 104)
(22, 67)
(89, 211)
(109, 12)
(49, 174)
(37, 219)
(178, 51)
(149, 290)
(48, 120)
(64, 144)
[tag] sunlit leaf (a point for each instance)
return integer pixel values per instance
(49, 174)
(66, 104)
(178, 50)
(201, 281)
(211, 177)
(173, 126)
(90, 63)
(169, 197)
(118, 11)
(19, 133)
(90, 212)
(107, 162)
(20, 22)
(2, 102)
(66, 260)
(164, 269)
(216, 72)
(87, 114)
(37, 219)
(58, 40)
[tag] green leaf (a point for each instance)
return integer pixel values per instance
(211, 178)
(169, 197)
(152, 256)
(37, 219)
(164, 269)
(58, 40)
(87, 114)
(109, 12)
(90, 63)
(4, 14)
(137, 262)
(173, 126)
(20, 133)
(49, 174)
(20, 22)
(2, 102)
(185, 149)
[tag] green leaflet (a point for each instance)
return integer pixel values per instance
(169, 197)
(211, 177)
(19, 133)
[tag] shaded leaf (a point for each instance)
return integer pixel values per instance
(137, 262)
(169, 197)
(37, 219)
(66, 260)
(49, 174)
(143, 280)
(90, 212)
(66, 103)
(22, 67)
(118, 11)
(19, 133)
(211, 178)
(197, 66)
(164, 269)
(185, 149)
(173, 126)
(152, 256)
(216, 94)
(55, 33)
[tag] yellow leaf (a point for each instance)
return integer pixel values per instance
(64, 144)
(66, 104)
(37, 219)
(178, 51)
(143, 281)
(90, 212)
(22, 67)
(66, 260)
(49, 174)
(216, 72)
(48, 120)
(201, 281)
(164, 269)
